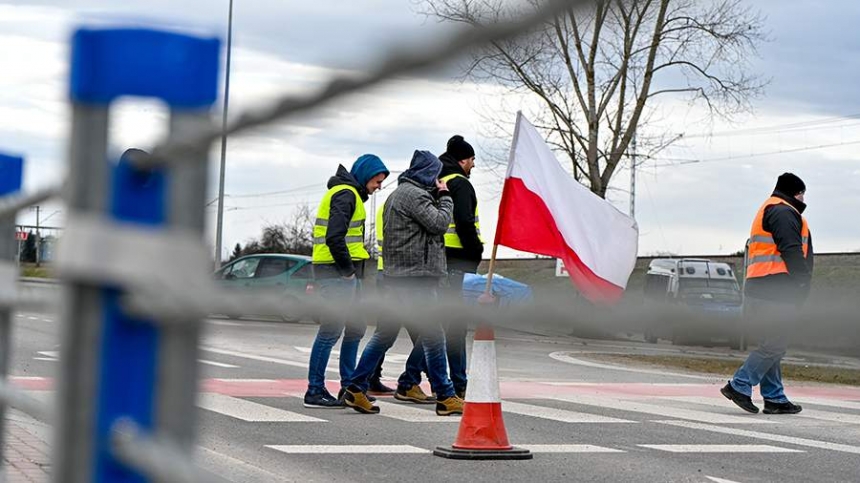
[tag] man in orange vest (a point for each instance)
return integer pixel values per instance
(778, 276)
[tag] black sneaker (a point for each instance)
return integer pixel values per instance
(781, 408)
(380, 389)
(342, 393)
(322, 400)
(742, 400)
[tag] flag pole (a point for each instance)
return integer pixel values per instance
(492, 267)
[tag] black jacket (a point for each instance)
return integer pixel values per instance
(784, 224)
(465, 202)
(340, 214)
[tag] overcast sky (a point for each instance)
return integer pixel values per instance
(291, 46)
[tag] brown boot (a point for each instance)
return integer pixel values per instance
(358, 400)
(447, 407)
(413, 394)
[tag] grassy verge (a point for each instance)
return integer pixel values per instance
(31, 270)
(796, 372)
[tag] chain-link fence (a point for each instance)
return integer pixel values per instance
(136, 275)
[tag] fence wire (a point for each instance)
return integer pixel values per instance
(397, 63)
(12, 204)
(20, 400)
(172, 297)
(158, 459)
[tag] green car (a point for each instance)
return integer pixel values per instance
(291, 276)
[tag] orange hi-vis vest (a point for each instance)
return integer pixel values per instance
(764, 258)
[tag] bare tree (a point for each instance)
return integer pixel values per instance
(295, 236)
(595, 70)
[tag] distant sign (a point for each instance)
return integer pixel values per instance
(560, 270)
(21, 235)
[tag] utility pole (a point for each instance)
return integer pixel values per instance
(219, 230)
(38, 235)
(633, 177)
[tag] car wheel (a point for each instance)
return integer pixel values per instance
(678, 339)
(291, 318)
(737, 343)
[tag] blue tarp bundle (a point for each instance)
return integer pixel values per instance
(508, 292)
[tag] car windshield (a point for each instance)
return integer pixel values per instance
(703, 289)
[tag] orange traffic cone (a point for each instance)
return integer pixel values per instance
(482, 434)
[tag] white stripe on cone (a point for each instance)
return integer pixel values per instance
(483, 384)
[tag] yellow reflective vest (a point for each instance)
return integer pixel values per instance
(354, 234)
(379, 232)
(452, 240)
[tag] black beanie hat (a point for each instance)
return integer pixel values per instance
(789, 184)
(459, 148)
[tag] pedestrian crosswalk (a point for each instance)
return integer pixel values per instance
(251, 411)
(584, 410)
(709, 424)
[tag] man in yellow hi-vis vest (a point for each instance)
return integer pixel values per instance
(464, 247)
(339, 257)
(778, 274)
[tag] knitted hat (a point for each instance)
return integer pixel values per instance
(789, 184)
(459, 148)
(366, 167)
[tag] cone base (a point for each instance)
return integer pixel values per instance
(483, 454)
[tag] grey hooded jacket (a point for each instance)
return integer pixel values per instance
(414, 226)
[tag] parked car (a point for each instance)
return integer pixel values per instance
(291, 276)
(702, 297)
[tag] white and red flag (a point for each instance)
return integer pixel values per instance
(545, 211)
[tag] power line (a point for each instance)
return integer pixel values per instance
(277, 193)
(777, 128)
(682, 161)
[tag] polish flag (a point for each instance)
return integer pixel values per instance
(545, 211)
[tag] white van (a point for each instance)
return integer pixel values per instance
(704, 287)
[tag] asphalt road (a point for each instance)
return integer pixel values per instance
(584, 420)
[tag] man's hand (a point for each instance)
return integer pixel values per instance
(441, 185)
(486, 298)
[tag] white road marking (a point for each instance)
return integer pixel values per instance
(53, 354)
(410, 413)
(250, 411)
(224, 323)
(217, 364)
(562, 356)
(389, 356)
(836, 403)
(348, 449)
(844, 418)
(560, 415)
(720, 480)
(812, 443)
(719, 448)
(567, 448)
(47, 359)
(665, 411)
(255, 357)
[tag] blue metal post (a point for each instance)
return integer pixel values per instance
(182, 71)
(11, 174)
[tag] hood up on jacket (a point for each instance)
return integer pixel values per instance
(424, 169)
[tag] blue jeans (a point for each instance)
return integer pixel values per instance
(340, 291)
(430, 349)
(455, 332)
(763, 364)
